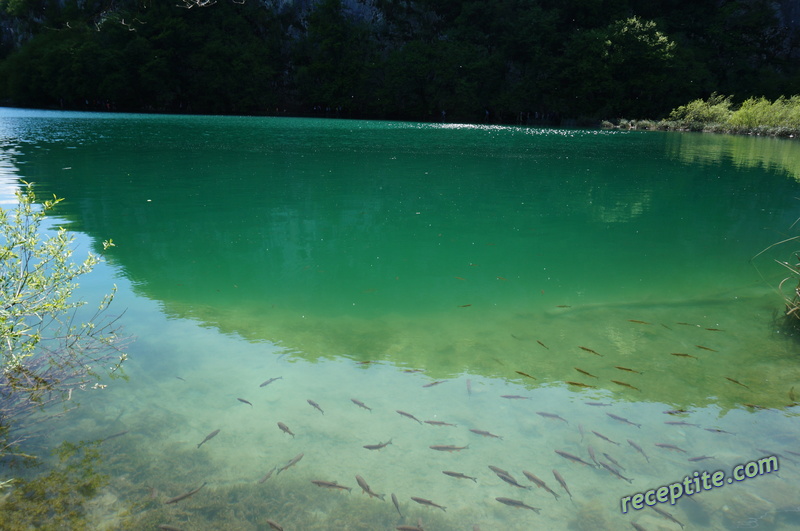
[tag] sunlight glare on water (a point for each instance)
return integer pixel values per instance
(552, 290)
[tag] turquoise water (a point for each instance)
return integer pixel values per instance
(365, 260)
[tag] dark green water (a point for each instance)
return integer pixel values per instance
(252, 248)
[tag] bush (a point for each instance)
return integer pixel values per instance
(46, 350)
(717, 109)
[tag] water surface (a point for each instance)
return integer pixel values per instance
(368, 260)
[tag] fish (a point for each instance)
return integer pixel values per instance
(397, 505)
(406, 527)
(587, 349)
(361, 404)
(637, 527)
(377, 446)
(486, 434)
(508, 478)
(676, 411)
(688, 324)
(670, 447)
(614, 472)
(315, 406)
(274, 525)
(464, 305)
(562, 482)
(114, 436)
(525, 374)
(584, 372)
(181, 379)
(459, 278)
(539, 483)
(736, 382)
(592, 455)
(639, 449)
(542, 344)
(668, 516)
(409, 415)
(469, 387)
(367, 362)
(580, 429)
(700, 458)
(547, 415)
(291, 463)
(683, 355)
(638, 321)
(614, 461)
(571, 457)
(597, 404)
(627, 369)
(563, 306)
(518, 504)
(423, 501)
(681, 423)
(501, 278)
(626, 385)
(285, 429)
(208, 437)
(717, 430)
(185, 495)
(605, 438)
(440, 423)
(515, 397)
(497, 470)
(330, 485)
(270, 381)
(792, 396)
(447, 447)
(458, 475)
(579, 384)
(434, 383)
(622, 419)
(243, 401)
(706, 348)
(267, 475)
(365, 488)
(715, 330)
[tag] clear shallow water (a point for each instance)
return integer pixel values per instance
(251, 248)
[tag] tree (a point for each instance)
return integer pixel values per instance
(46, 349)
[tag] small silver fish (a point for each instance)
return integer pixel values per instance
(270, 381)
(208, 437)
(315, 406)
(409, 415)
(365, 488)
(517, 503)
(377, 446)
(458, 475)
(291, 463)
(285, 429)
(176, 499)
(423, 501)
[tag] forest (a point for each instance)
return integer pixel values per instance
(503, 61)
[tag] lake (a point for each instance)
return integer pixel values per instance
(592, 305)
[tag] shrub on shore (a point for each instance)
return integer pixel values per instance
(717, 114)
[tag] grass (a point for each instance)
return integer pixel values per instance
(718, 114)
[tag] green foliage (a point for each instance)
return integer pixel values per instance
(757, 112)
(755, 115)
(579, 58)
(716, 109)
(56, 499)
(46, 349)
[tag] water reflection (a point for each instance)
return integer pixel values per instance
(369, 260)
